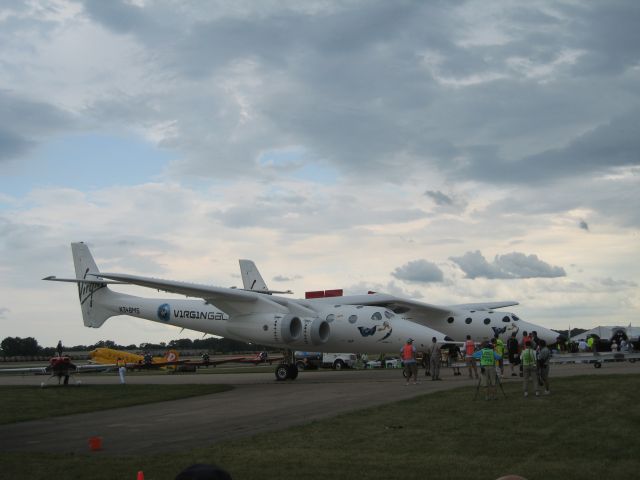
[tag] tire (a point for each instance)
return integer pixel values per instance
(282, 372)
(597, 365)
(292, 371)
(338, 365)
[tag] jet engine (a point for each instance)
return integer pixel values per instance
(277, 330)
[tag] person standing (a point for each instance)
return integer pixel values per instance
(528, 359)
(488, 357)
(591, 344)
(122, 369)
(59, 348)
(544, 355)
(512, 350)
(435, 356)
(469, 350)
(408, 354)
(498, 346)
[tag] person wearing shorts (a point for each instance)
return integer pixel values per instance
(488, 357)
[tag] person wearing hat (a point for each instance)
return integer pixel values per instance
(408, 354)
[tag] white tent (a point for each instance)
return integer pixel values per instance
(606, 333)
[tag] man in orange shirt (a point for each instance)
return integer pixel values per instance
(469, 349)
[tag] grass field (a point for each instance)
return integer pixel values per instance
(22, 403)
(587, 429)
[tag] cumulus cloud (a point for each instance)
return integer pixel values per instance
(510, 265)
(418, 271)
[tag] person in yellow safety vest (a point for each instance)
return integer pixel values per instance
(590, 344)
(498, 346)
(529, 369)
(122, 369)
(488, 357)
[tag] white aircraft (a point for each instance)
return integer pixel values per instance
(358, 323)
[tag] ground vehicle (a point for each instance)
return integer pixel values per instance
(337, 361)
(388, 363)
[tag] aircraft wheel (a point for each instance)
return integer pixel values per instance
(597, 365)
(292, 372)
(282, 372)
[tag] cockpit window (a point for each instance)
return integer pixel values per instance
(515, 318)
(388, 314)
(331, 317)
(376, 316)
(506, 319)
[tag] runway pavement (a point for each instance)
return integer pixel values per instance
(257, 404)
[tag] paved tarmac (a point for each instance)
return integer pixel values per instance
(256, 404)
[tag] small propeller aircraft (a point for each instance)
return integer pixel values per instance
(60, 367)
(110, 357)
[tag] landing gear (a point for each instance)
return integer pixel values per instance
(286, 371)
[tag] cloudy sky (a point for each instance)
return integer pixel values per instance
(453, 151)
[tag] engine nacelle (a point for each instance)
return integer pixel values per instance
(277, 330)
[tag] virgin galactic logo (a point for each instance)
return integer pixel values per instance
(164, 312)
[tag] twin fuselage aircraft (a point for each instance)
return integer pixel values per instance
(367, 323)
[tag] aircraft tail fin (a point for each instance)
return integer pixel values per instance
(94, 294)
(251, 278)
(171, 356)
(253, 281)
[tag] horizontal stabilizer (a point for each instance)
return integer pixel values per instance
(53, 278)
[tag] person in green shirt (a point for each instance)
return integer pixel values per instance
(498, 346)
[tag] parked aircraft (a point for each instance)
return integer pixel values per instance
(109, 356)
(60, 367)
(359, 323)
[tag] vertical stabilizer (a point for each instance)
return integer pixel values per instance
(251, 278)
(94, 295)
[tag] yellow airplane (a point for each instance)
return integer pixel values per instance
(109, 356)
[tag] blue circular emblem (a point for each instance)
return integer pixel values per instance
(164, 312)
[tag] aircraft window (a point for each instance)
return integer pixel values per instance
(450, 319)
(515, 318)
(337, 306)
(388, 314)
(376, 316)
(353, 318)
(487, 321)
(467, 320)
(331, 317)
(506, 319)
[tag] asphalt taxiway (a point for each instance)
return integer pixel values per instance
(257, 404)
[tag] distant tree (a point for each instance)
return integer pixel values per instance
(16, 346)
(181, 343)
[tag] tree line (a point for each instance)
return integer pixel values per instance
(17, 346)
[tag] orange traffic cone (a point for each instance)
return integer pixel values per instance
(95, 443)
(140, 475)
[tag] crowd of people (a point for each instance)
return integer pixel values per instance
(529, 356)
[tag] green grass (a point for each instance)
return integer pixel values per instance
(22, 403)
(587, 429)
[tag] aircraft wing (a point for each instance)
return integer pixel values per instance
(484, 306)
(423, 313)
(231, 300)
(25, 370)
